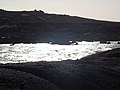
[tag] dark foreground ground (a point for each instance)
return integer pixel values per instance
(96, 72)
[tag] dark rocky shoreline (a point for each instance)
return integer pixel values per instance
(95, 72)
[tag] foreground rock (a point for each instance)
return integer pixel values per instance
(16, 80)
(96, 72)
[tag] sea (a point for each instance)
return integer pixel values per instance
(22, 53)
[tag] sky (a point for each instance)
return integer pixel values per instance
(96, 9)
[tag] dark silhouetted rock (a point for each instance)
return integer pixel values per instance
(105, 42)
(17, 80)
(118, 42)
(95, 72)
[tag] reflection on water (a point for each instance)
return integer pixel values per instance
(47, 52)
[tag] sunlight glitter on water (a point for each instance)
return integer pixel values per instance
(19, 53)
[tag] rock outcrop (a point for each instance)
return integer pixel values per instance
(95, 72)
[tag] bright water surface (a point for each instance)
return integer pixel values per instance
(19, 53)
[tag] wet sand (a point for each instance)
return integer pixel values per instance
(95, 72)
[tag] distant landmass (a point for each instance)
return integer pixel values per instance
(40, 27)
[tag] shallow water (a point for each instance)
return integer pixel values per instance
(19, 53)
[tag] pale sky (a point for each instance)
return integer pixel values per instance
(96, 9)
